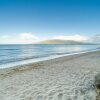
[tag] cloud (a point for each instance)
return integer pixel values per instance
(4, 36)
(27, 36)
(72, 37)
(22, 38)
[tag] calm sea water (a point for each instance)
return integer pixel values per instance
(10, 54)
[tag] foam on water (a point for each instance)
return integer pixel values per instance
(42, 59)
(13, 55)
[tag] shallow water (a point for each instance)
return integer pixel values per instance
(16, 53)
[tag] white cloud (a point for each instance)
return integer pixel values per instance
(72, 37)
(4, 36)
(27, 36)
(22, 38)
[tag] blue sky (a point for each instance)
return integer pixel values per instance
(49, 18)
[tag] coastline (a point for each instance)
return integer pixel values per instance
(63, 78)
(26, 62)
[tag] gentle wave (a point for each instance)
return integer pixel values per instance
(30, 53)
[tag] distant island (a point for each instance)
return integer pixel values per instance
(68, 42)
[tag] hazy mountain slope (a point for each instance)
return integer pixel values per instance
(55, 41)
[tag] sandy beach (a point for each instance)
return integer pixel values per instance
(64, 78)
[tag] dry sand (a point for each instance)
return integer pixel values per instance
(64, 78)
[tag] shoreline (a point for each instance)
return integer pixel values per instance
(64, 78)
(32, 61)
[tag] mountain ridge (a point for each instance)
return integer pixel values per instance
(58, 41)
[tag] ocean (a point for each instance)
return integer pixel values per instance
(13, 55)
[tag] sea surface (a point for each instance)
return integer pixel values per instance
(12, 55)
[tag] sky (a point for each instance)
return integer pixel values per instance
(27, 21)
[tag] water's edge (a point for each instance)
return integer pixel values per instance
(14, 64)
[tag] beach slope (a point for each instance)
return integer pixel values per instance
(64, 78)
